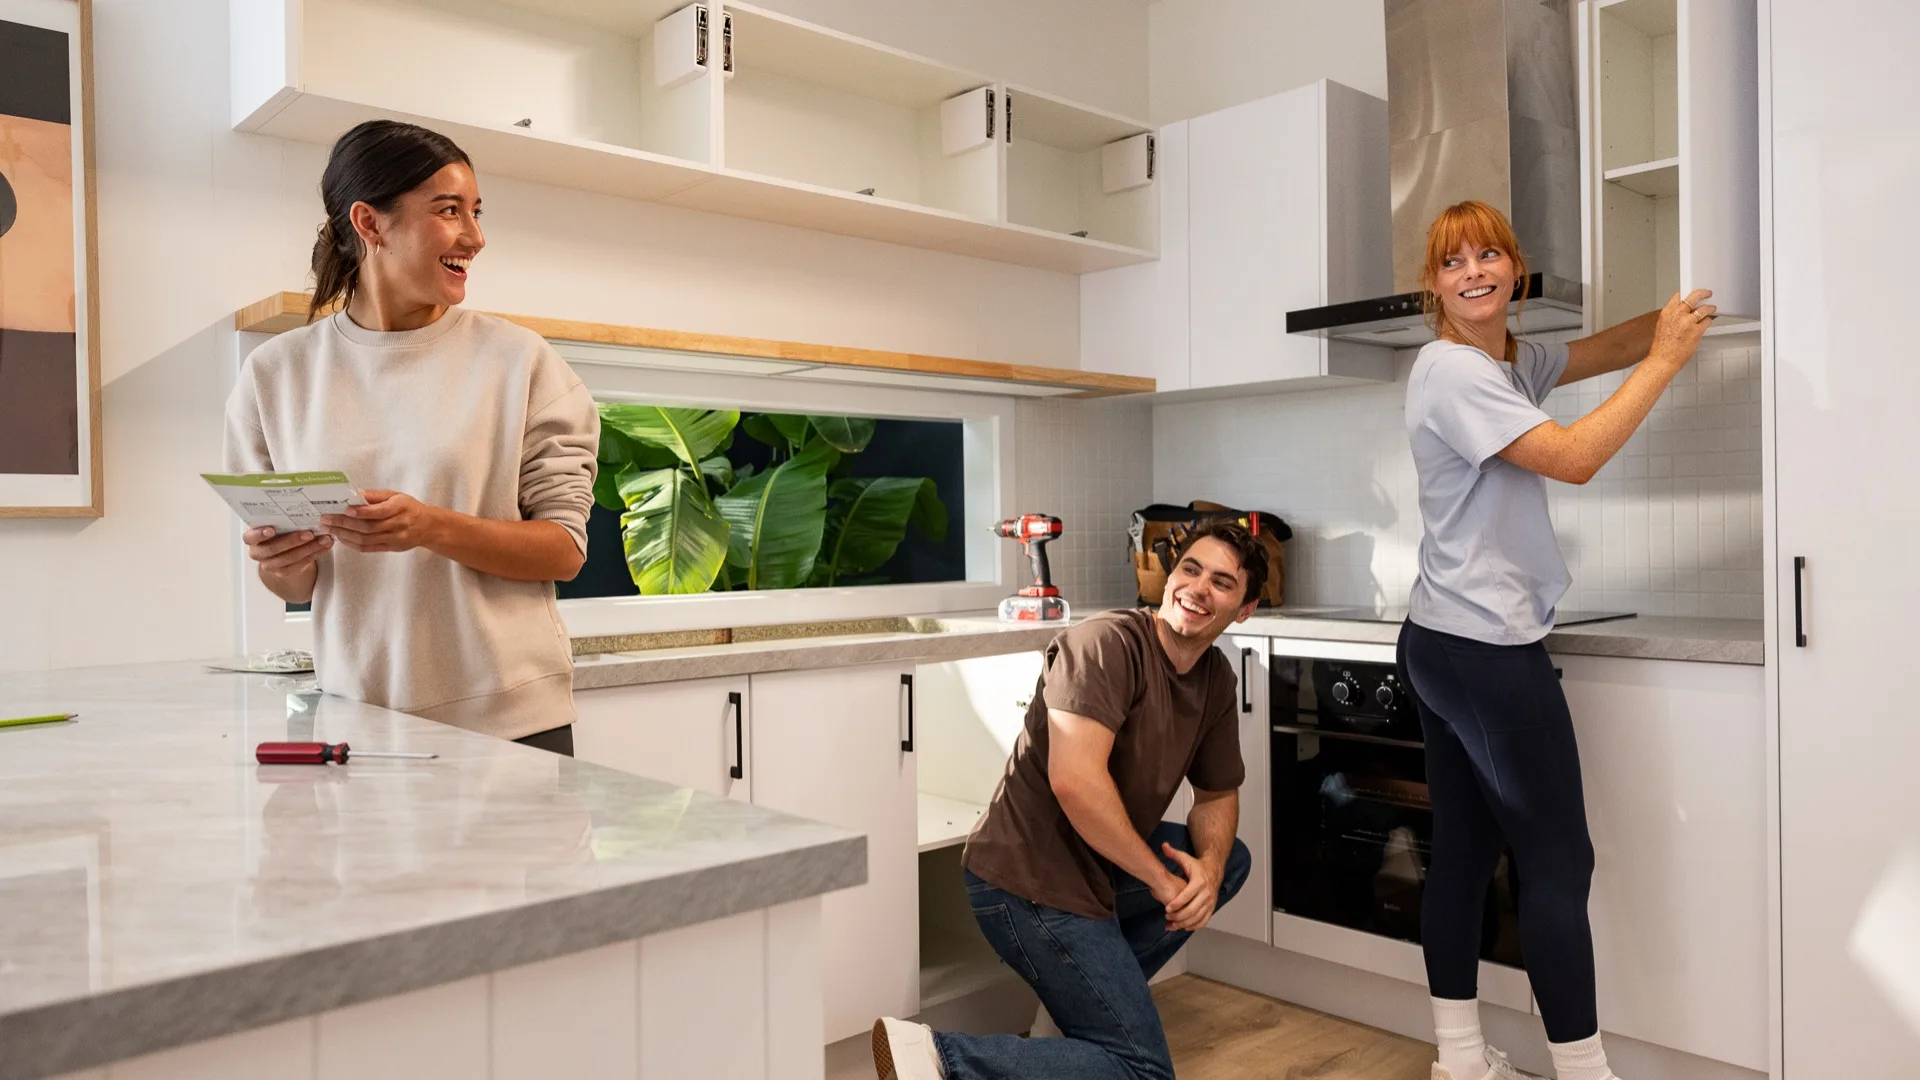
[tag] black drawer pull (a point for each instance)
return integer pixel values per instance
(739, 770)
(1799, 609)
(1246, 705)
(906, 744)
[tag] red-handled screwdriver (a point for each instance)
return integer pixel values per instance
(316, 753)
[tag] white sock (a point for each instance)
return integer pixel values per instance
(1456, 1026)
(1583, 1060)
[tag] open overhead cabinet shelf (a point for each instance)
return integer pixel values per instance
(729, 109)
(637, 346)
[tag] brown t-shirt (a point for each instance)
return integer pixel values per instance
(1166, 726)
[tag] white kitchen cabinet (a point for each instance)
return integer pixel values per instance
(1134, 320)
(1287, 209)
(836, 745)
(1265, 208)
(1844, 149)
(1670, 119)
(758, 115)
(1251, 913)
(694, 733)
(1673, 761)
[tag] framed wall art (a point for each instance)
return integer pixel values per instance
(49, 310)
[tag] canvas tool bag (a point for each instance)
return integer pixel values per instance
(1158, 531)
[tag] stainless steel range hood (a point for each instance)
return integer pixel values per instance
(1481, 104)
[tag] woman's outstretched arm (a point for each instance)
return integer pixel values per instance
(1574, 454)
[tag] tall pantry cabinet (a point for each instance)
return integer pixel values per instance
(1844, 157)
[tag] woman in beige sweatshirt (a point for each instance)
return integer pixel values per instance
(477, 441)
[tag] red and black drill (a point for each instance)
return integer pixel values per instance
(1040, 601)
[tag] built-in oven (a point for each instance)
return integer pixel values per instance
(1352, 824)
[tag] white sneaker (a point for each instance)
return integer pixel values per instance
(1044, 1027)
(904, 1051)
(1498, 1068)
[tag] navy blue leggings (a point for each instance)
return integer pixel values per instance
(1503, 771)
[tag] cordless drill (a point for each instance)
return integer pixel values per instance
(1040, 601)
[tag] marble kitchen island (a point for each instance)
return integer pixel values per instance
(168, 908)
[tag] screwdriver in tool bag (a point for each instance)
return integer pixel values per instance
(317, 753)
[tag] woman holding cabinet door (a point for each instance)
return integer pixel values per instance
(1503, 770)
(436, 598)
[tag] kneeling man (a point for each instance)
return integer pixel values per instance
(1072, 876)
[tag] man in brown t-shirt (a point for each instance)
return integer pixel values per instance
(1073, 877)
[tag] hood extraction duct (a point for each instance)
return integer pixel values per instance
(1481, 104)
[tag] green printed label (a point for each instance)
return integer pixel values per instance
(292, 479)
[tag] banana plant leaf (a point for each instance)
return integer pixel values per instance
(777, 518)
(847, 434)
(691, 434)
(718, 471)
(619, 449)
(866, 520)
(793, 427)
(606, 486)
(675, 540)
(783, 432)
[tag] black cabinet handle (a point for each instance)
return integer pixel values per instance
(1245, 704)
(1799, 603)
(906, 744)
(739, 770)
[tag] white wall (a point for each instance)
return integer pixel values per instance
(1670, 527)
(1206, 55)
(196, 220)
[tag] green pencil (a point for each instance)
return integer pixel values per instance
(54, 719)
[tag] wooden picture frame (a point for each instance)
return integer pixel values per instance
(50, 442)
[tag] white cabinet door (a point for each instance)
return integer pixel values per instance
(1255, 235)
(832, 745)
(1673, 761)
(692, 733)
(1845, 147)
(1133, 320)
(1718, 133)
(1251, 913)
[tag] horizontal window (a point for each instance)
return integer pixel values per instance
(695, 500)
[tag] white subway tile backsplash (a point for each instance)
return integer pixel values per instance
(1089, 463)
(1671, 526)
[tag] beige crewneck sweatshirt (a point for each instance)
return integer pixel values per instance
(471, 413)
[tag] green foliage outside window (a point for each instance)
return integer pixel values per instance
(691, 522)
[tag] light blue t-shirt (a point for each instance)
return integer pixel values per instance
(1490, 568)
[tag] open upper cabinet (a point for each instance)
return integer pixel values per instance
(1670, 116)
(730, 109)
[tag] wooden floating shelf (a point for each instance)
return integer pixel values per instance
(643, 346)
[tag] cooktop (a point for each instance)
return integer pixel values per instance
(1399, 614)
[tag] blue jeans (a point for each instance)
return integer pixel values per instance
(1091, 974)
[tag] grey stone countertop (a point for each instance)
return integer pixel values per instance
(954, 636)
(1716, 641)
(963, 635)
(157, 887)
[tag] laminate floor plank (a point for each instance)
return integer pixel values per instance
(1221, 1032)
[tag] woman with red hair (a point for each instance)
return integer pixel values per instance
(1503, 771)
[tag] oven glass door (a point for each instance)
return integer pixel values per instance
(1353, 828)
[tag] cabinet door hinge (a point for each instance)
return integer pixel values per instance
(726, 43)
(990, 111)
(700, 35)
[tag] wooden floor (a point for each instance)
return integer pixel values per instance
(1220, 1032)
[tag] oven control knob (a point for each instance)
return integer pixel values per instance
(1343, 692)
(1384, 694)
